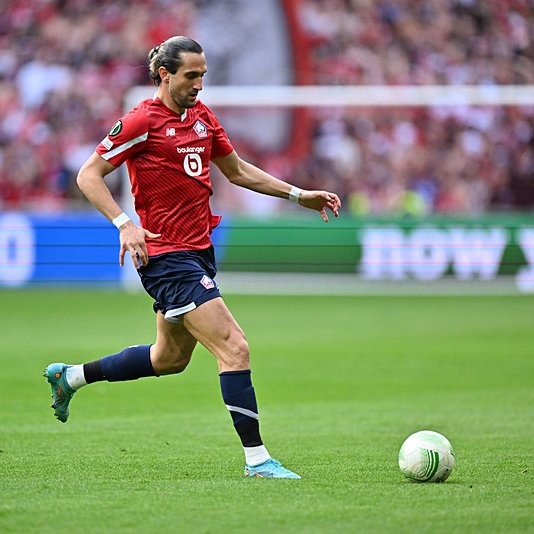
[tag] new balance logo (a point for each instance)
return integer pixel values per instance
(170, 131)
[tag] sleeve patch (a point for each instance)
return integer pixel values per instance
(125, 146)
(107, 142)
(116, 129)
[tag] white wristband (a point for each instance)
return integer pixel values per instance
(120, 220)
(294, 194)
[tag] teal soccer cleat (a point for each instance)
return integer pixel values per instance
(62, 393)
(271, 468)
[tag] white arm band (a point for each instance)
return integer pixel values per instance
(120, 220)
(294, 194)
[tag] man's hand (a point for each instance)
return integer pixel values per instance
(320, 201)
(133, 240)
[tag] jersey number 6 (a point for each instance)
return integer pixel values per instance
(193, 164)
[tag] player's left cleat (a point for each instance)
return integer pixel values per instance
(62, 393)
(271, 468)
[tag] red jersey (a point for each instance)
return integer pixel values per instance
(168, 157)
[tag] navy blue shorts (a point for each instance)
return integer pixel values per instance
(180, 281)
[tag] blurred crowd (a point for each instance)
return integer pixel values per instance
(65, 66)
(424, 160)
(422, 42)
(421, 161)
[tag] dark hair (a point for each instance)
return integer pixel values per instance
(168, 55)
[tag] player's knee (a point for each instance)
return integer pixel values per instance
(239, 353)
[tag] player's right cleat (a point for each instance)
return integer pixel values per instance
(62, 393)
(271, 468)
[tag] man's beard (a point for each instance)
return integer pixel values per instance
(184, 102)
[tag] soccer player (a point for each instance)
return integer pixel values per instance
(167, 143)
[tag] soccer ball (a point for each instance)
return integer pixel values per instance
(426, 456)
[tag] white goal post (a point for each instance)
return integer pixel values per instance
(321, 96)
(355, 95)
(380, 97)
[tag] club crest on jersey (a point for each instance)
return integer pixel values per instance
(117, 127)
(207, 282)
(200, 129)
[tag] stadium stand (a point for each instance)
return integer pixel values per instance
(464, 160)
(65, 67)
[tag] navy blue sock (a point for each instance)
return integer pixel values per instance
(129, 364)
(240, 399)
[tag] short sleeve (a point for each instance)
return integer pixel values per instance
(221, 145)
(127, 137)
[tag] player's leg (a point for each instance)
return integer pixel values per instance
(171, 353)
(214, 326)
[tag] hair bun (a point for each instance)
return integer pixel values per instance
(154, 52)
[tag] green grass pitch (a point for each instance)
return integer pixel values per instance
(341, 382)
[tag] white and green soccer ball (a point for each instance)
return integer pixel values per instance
(426, 456)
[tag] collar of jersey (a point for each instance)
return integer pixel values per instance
(183, 116)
